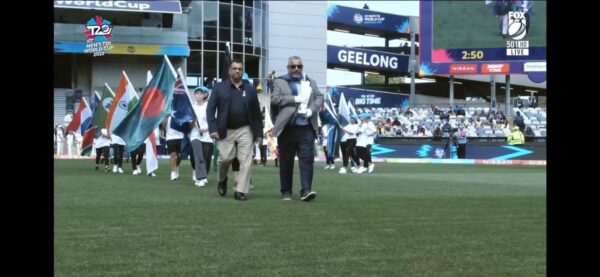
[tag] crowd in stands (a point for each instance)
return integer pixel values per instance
(438, 122)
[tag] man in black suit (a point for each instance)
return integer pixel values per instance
(233, 114)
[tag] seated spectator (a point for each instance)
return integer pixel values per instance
(446, 128)
(437, 134)
(529, 134)
(478, 123)
(421, 131)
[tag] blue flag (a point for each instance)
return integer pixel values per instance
(183, 112)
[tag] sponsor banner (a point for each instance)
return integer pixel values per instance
(511, 162)
(463, 68)
(487, 68)
(534, 67)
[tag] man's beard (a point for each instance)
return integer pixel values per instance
(296, 75)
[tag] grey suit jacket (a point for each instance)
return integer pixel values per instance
(283, 101)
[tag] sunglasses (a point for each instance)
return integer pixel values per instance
(296, 66)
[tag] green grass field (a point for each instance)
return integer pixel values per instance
(471, 24)
(402, 220)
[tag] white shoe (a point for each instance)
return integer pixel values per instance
(353, 169)
(327, 167)
(342, 170)
(120, 170)
(135, 172)
(114, 169)
(371, 167)
(200, 183)
(152, 174)
(173, 176)
(332, 166)
(360, 170)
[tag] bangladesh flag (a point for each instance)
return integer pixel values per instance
(154, 106)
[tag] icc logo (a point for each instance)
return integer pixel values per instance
(517, 25)
(358, 18)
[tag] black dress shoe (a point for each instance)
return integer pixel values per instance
(222, 188)
(239, 196)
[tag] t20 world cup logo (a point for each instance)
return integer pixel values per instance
(517, 25)
(98, 29)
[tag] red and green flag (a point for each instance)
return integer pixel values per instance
(154, 106)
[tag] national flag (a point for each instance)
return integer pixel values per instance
(329, 118)
(268, 126)
(190, 93)
(94, 100)
(183, 112)
(106, 99)
(155, 105)
(125, 99)
(334, 136)
(87, 143)
(343, 111)
(351, 108)
(151, 154)
(327, 112)
(81, 119)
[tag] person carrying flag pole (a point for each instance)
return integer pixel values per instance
(202, 144)
(154, 106)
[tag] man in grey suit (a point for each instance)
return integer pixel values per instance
(297, 100)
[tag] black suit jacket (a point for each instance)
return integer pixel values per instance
(217, 109)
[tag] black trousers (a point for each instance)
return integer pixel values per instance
(348, 150)
(263, 153)
(363, 153)
(328, 159)
(118, 152)
(102, 151)
(137, 156)
(296, 140)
